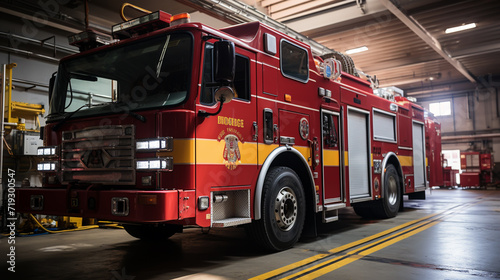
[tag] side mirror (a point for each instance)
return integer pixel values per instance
(51, 85)
(225, 60)
(224, 94)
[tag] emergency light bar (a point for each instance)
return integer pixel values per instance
(141, 25)
(89, 39)
(331, 69)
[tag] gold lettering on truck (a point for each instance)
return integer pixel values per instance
(230, 121)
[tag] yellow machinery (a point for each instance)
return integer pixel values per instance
(16, 111)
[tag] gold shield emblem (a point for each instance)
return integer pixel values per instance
(232, 156)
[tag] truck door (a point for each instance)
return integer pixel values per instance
(331, 154)
(226, 153)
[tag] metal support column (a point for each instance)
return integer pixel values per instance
(2, 134)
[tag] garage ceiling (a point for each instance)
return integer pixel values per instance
(406, 40)
(407, 58)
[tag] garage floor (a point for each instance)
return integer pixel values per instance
(454, 234)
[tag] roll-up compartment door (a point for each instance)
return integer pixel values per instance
(359, 156)
(418, 156)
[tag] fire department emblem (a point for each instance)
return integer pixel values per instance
(232, 156)
(304, 128)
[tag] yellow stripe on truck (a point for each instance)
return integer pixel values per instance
(331, 158)
(406, 161)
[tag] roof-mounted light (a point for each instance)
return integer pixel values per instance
(180, 19)
(331, 69)
(141, 25)
(89, 39)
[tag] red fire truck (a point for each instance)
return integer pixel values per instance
(435, 159)
(477, 169)
(183, 124)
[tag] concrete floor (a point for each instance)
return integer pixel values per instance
(461, 240)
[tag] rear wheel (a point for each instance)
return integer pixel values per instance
(152, 232)
(283, 210)
(389, 205)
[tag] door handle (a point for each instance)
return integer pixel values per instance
(255, 131)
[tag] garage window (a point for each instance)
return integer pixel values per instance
(440, 108)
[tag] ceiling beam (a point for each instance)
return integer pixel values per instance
(246, 13)
(343, 13)
(40, 20)
(307, 9)
(421, 32)
(396, 64)
(479, 50)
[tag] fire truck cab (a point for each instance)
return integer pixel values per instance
(190, 125)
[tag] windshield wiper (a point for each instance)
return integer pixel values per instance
(162, 56)
(61, 122)
(126, 110)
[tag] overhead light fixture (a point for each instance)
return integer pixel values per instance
(460, 28)
(356, 50)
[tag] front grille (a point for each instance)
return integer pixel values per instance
(102, 155)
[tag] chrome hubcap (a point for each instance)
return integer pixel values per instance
(285, 208)
(392, 191)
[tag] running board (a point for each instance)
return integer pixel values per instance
(331, 212)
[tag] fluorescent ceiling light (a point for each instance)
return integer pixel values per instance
(356, 50)
(460, 28)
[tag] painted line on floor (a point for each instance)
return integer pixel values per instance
(312, 259)
(329, 262)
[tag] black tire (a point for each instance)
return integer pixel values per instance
(364, 210)
(151, 232)
(388, 206)
(283, 211)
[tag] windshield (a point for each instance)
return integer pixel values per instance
(146, 74)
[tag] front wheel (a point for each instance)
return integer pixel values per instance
(283, 210)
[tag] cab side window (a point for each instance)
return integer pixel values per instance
(241, 84)
(294, 62)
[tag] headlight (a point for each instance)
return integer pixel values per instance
(47, 166)
(155, 144)
(160, 164)
(47, 151)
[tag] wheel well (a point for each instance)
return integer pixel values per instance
(295, 163)
(393, 159)
(289, 157)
